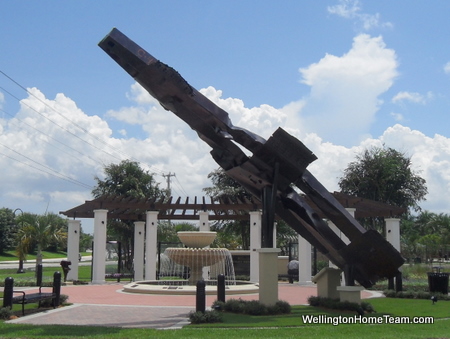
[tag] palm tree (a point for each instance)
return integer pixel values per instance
(39, 231)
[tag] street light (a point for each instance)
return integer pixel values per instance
(20, 270)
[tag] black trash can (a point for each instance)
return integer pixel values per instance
(438, 282)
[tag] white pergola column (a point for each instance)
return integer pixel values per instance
(255, 244)
(73, 248)
(139, 236)
(203, 226)
(203, 221)
(393, 232)
(98, 264)
(151, 243)
(304, 261)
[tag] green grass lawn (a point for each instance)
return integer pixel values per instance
(284, 326)
(10, 255)
(84, 273)
(245, 326)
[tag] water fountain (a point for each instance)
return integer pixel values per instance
(202, 263)
(181, 268)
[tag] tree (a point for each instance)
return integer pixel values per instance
(6, 229)
(225, 187)
(126, 179)
(384, 174)
(167, 231)
(228, 189)
(39, 231)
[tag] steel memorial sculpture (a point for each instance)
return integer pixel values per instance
(269, 173)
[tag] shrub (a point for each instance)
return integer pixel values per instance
(415, 295)
(218, 305)
(206, 317)
(48, 302)
(5, 313)
(234, 306)
(281, 307)
(367, 307)
(336, 304)
(252, 307)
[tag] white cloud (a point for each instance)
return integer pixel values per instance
(344, 96)
(46, 158)
(447, 68)
(351, 9)
(409, 96)
(262, 120)
(172, 147)
(397, 116)
(346, 8)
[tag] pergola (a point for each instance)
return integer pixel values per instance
(134, 209)
(145, 212)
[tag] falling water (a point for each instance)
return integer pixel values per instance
(184, 266)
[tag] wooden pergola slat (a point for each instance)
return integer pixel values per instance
(129, 208)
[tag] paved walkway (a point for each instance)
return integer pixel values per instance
(107, 305)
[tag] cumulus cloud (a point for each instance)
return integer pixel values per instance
(344, 95)
(53, 165)
(351, 9)
(52, 150)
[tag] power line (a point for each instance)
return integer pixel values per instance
(63, 128)
(153, 168)
(180, 186)
(56, 174)
(73, 123)
(49, 136)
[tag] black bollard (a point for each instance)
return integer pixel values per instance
(391, 283)
(8, 292)
(221, 288)
(398, 282)
(39, 275)
(200, 297)
(56, 288)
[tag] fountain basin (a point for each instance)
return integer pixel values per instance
(197, 239)
(176, 288)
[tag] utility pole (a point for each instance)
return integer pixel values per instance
(168, 176)
(169, 193)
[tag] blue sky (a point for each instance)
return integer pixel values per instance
(339, 75)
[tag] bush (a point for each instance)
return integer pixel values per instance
(280, 307)
(252, 307)
(336, 304)
(234, 306)
(415, 295)
(203, 318)
(48, 302)
(218, 305)
(5, 313)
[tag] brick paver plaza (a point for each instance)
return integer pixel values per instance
(107, 305)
